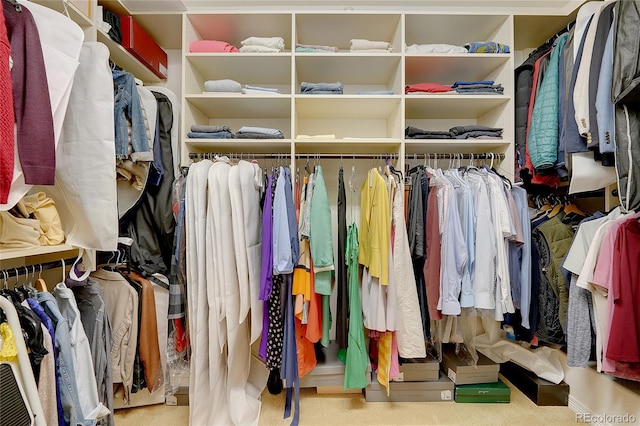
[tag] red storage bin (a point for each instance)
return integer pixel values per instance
(140, 44)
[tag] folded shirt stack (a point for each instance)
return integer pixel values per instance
(224, 85)
(252, 132)
(262, 45)
(418, 49)
(258, 90)
(427, 88)
(315, 48)
(486, 47)
(211, 46)
(476, 131)
(370, 46)
(210, 132)
(484, 87)
(321, 88)
(412, 132)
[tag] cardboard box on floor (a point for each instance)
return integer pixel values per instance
(497, 392)
(419, 370)
(461, 373)
(542, 392)
(439, 390)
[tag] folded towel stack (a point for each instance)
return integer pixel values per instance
(484, 87)
(370, 46)
(316, 48)
(210, 132)
(211, 46)
(224, 85)
(252, 132)
(486, 47)
(427, 88)
(418, 49)
(321, 88)
(262, 44)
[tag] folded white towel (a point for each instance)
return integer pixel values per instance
(254, 48)
(272, 42)
(435, 48)
(363, 44)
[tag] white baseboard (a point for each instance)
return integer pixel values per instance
(579, 408)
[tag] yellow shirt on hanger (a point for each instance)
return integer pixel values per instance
(375, 226)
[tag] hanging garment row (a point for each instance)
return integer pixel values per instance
(117, 320)
(277, 227)
(575, 117)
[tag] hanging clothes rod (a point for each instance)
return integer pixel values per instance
(381, 156)
(35, 268)
(456, 156)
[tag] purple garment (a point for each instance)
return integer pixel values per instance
(267, 264)
(32, 105)
(48, 323)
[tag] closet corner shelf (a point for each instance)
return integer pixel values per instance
(251, 146)
(124, 59)
(447, 146)
(36, 251)
(76, 15)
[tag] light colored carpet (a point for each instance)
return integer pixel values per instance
(352, 409)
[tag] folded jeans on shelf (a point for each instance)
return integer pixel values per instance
(251, 135)
(209, 129)
(306, 87)
(477, 134)
(470, 83)
(210, 135)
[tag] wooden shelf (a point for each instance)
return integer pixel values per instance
(434, 106)
(347, 145)
(275, 68)
(6, 255)
(446, 69)
(346, 106)
(255, 146)
(239, 105)
(464, 146)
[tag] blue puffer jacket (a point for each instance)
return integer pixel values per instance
(543, 130)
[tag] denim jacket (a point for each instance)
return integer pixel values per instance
(66, 371)
(128, 107)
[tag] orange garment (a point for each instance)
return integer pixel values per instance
(304, 348)
(384, 358)
(148, 334)
(314, 323)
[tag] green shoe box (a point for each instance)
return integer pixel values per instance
(496, 392)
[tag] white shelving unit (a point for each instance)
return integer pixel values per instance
(352, 122)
